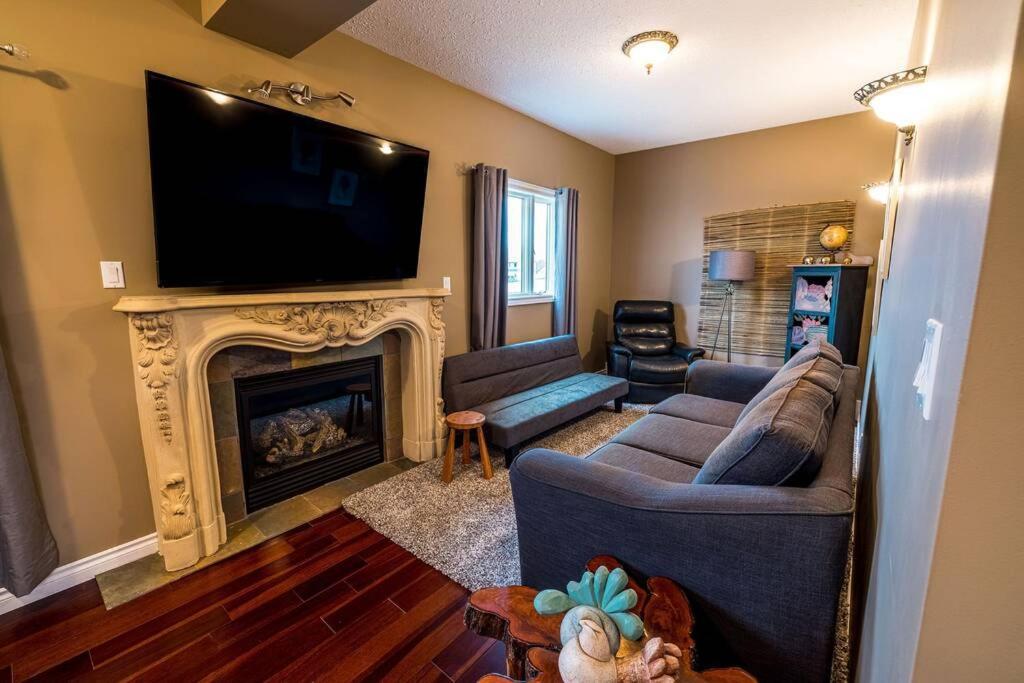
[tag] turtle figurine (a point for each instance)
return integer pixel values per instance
(597, 618)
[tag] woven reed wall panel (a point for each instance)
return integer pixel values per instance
(780, 236)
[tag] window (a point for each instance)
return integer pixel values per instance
(531, 243)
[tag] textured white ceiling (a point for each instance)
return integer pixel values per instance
(740, 65)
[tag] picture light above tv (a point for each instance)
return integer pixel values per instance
(249, 194)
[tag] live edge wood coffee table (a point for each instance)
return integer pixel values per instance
(466, 421)
(532, 643)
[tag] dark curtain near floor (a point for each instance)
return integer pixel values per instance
(28, 552)
(567, 202)
(489, 296)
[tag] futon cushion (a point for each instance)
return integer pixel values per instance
(516, 418)
(780, 442)
(644, 462)
(710, 411)
(669, 369)
(820, 363)
(672, 437)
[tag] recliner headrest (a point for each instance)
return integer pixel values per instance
(644, 311)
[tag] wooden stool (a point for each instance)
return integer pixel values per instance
(465, 421)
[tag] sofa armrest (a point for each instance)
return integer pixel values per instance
(764, 565)
(727, 381)
(618, 360)
(690, 353)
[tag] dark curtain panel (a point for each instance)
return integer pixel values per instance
(567, 204)
(28, 552)
(489, 298)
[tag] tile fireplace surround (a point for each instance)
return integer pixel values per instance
(173, 339)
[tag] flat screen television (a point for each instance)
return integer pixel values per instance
(246, 193)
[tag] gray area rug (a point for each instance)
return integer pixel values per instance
(467, 528)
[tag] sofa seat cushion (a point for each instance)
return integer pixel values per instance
(780, 442)
(516, 418)
(669, 369)
(673, 437)
(710, 411)
(644, 462)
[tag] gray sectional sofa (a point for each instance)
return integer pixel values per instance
(740, 490)
(526, 389)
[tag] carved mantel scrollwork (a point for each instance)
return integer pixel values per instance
(332, 322)
(437, 324)
(157, 362)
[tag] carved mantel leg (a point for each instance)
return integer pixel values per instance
(158, 396)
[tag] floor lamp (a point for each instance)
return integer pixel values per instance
(730, 266)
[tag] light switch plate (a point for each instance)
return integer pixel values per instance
(446, 282)
(112, 273)
(928, 369)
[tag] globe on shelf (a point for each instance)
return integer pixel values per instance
(834, 237)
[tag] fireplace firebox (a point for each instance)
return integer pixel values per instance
(305, 427)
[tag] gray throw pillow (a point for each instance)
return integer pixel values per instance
(780, 442)
(820, 363)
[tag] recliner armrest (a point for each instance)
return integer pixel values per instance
(690, 353)
(727, 381)
(618, 360)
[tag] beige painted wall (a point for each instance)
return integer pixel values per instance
(939, 518)
(662, 196)
(527, 322)
(74, 190)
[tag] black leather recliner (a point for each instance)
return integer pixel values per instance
(645, 351)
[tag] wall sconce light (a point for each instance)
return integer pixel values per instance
(300, 93)
(878, 191)
(897, 98)
(16, 51)
(650, 47)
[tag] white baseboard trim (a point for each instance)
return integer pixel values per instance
(81, 571)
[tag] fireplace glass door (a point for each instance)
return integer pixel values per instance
(302, 428)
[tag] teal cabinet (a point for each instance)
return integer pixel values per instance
(827, 302)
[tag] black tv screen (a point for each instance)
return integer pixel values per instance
(245, 193)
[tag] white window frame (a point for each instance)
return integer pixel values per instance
(530, 193)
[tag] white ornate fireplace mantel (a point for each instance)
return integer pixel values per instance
(173, 339)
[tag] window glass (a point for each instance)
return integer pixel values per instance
(515, 245)
(540, 247)
(531, 233)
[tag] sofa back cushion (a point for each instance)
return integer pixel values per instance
(780, 442)
(646, 328)
(818, 362)
(471, 379)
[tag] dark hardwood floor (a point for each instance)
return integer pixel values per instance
(330, 601)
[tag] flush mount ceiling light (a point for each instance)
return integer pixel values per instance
(897, 98)
(650, 47)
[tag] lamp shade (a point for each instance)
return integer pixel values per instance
(732, 265)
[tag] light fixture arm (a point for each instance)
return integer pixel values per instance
(300, 93)
(13, 50)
